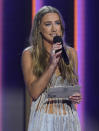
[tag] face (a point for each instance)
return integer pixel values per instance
(50, 26)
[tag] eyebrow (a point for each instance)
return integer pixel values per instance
(51, 21)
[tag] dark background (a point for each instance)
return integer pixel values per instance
(92, 66)
(16, 29)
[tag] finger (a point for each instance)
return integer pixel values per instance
(58, 43)
(76, 102)
(76, 94)
(58, 54)
(75, 99)
(58, 46)
(57, 49)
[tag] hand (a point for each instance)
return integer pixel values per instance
(55, 56)
(75, 98)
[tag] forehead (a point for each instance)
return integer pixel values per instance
(50, 17)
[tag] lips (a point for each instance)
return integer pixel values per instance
(53, 35)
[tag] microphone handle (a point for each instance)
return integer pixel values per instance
(65, 57)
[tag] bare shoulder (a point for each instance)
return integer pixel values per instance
(27, 66)
(27, 51)
(27, 56)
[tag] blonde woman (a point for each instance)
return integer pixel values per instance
(44, 69)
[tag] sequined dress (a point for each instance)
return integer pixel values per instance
(53, 114)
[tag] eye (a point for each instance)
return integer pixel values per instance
(47, 24)
(58, 22)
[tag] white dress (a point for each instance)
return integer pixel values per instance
(42, 120)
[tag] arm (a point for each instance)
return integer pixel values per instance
(37, 85)
(34, 85)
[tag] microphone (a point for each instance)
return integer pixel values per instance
(64, 55)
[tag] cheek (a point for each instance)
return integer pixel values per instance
(45, 32)
(46, 29)
(60, 32)
(43, 29)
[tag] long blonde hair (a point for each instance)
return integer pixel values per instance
(40, 55)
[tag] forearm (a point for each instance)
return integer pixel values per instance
(38, 86)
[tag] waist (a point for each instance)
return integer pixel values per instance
(60, 107)
(58, 101)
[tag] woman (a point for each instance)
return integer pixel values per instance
(44, 69)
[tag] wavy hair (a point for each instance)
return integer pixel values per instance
(39, 53)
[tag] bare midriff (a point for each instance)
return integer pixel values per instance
(57, 110)
(53, 107)
(51, 103)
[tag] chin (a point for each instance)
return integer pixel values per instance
(49, 40)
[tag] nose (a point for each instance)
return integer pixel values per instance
(53, 29)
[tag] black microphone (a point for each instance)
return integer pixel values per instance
(57, 39)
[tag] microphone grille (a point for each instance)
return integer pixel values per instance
(57, 39)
